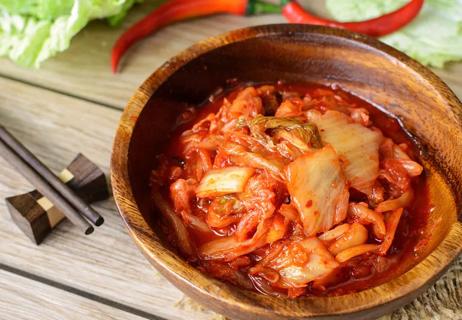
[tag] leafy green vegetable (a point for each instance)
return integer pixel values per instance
(433, 38)
(41, 9)
(31, 31)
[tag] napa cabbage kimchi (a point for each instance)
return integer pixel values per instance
(288, 189)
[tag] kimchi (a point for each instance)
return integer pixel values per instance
(289, 190)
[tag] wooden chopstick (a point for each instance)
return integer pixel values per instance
(44, 188)
(65, 192)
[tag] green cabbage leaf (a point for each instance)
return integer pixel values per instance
(433, 38)
(31, 31)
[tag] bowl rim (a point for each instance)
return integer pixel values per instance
(403, 288)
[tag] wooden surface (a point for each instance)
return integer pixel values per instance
(54, 303)
(72, 105)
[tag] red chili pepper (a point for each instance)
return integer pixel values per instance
(177, 10)
(377, 27)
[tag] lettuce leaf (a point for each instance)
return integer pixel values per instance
(433, 38)
(32, 31)
(41, 9)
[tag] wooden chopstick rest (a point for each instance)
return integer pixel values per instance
(36, 216)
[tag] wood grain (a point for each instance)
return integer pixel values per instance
(24, 299)
(107, 264)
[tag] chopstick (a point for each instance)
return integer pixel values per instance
(44, 188)
(47, 183)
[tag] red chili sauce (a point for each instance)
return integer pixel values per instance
(295, 243)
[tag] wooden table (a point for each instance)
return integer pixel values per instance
(73, 105)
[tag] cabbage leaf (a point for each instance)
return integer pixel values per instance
(32, 31)
(433, 38)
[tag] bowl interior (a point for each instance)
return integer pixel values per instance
(427, 109)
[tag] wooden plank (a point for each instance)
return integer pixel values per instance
(107, 264)
(22, 298)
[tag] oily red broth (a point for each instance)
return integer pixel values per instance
(357, 273)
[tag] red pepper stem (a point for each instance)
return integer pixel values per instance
(255, 7)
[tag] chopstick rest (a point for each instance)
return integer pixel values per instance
(36, 216)
(63, 197)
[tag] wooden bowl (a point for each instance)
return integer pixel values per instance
(366, 67)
